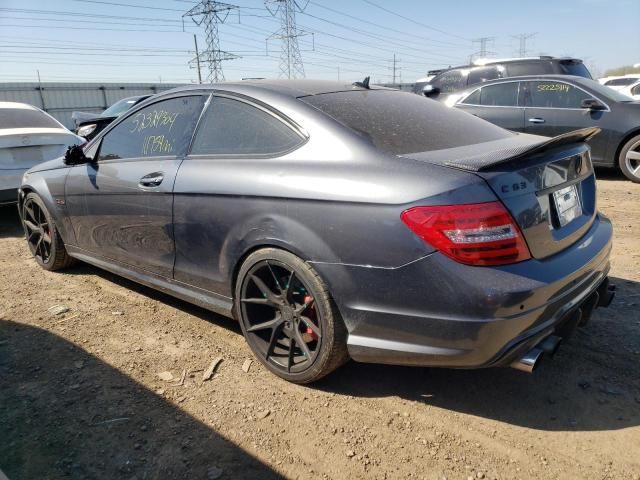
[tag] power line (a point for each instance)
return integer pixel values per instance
(414, 21)
(377, 25)
(146, 7)
(385, 38)
(291, 65)
(211, 14)
(82, 14)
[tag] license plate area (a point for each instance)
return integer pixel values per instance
(567, 205)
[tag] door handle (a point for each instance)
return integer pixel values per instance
(152, 180)
(536, 120)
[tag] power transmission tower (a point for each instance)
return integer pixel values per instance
(210, 14)
(396, 71)
(484, 42)
(523, 37)
(291, 65)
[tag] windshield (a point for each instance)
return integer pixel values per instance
(119, 108)
(26, 118)
(575, 68)
(400, 122)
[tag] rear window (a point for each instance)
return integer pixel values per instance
(26, 118)
(575, 68)
(517, 69)
(400, 123)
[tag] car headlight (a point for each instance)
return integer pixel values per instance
(86, 129)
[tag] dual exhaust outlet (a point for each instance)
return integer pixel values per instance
(531, 359)
(601, 298)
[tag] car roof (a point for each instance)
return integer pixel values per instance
(559, 77)
(290, 88)
(488, 62)
(25, 106)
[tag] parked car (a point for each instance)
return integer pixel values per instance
(90, 127)
(457, 79)
(632, 91)
(336, 221)
(554, 104)
(28, 136)
(618, 83)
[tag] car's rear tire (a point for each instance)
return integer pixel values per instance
(629, 159)
(42, 235)
(288, 316)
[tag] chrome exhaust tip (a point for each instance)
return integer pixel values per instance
(529, 361)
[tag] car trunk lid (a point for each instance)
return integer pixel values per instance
(22, 148)
(547, 185)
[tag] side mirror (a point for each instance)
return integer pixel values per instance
(430, 91)
(592, 104)
(75, 156)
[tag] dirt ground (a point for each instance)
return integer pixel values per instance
(80, 395)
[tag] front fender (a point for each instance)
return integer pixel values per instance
(50, 187)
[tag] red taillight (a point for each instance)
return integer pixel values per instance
(474, 234)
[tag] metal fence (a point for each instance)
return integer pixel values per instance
(60, 99)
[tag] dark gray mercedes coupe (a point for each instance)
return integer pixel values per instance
(337, 221)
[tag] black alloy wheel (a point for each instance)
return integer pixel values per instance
(288, 318)
(42, 236)
(37, 230)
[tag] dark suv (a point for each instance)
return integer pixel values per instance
(453, 80)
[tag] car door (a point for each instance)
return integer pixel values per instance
(497, 103)
(553, 107)
(120, 205)
(237, 144)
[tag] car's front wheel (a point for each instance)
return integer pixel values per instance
(288, 317)
(629, 159)
(42, 235)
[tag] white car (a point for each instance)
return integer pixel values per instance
(28, 136)
(620, 83)
(632, 90)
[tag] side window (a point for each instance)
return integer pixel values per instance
(501, 95)
(450, 81)
(161, 129)
(233, 127)
(484, 74)
(516, 69)
(553, 95)
(473, 99)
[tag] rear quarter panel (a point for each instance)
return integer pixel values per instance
(342, 208)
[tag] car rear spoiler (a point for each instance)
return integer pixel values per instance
(485, 156)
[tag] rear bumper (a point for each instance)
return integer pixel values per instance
(10, 180)
(436, 312)
(8, 196)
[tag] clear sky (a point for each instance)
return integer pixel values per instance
(143, 40)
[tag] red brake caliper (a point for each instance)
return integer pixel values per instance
(309, 335)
